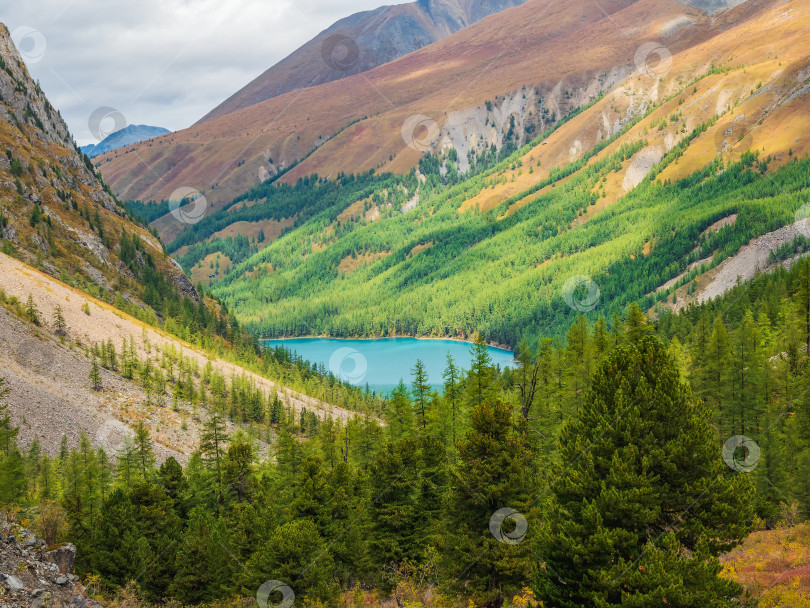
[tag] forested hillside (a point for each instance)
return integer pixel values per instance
(442, 271)
(355, 512)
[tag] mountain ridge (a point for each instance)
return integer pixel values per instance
(360, 42)
(356, 123)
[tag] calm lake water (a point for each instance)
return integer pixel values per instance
(383, 362)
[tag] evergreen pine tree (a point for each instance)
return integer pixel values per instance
(143, 450)
(237, 468)
(494, 472)
(804, 301)
(46, 481)
(212, 447)
(393, 511)
(481, 378)
(637, 326)
(399, 414)
(59, 325)
(452, 398)
(643, 504)
(31, 311)
(717, 381)
(343, 520)
(433, 483)
(113, 538)
(13, 483)
(421, 392)
(297, 556)
(95, 375)
(8, 432)
(201, 565)
(748, 376)
(527, 379)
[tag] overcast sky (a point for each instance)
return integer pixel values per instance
(158, 62)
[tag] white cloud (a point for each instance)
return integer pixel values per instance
(161, 62)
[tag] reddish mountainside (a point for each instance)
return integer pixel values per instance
(359, 43)
(535, 62)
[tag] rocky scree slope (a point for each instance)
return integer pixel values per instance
(50, 395)
(35, 575)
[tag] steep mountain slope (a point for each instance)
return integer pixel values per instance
(50, 395)
(620, 207)
(131, 134)
(359, 43)
(564, 54)
(54, 212)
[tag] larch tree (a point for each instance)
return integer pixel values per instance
(212, 447)
(95, 375)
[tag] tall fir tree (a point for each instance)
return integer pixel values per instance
(212, 447)
(59, 324)
(452, 398)
(494, 472)
(421, 393)
(481, 378)
(393, 482)
(95, 374)
(643, 503)
(31, 311)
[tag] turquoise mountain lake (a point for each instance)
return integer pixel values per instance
(381, 363)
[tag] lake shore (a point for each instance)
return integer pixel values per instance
(505, 347)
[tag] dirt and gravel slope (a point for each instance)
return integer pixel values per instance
(50, 390)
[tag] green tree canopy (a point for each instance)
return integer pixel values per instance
(643, 503)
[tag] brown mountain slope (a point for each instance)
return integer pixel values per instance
(54, 212)
(359, 43)
(565, 53)
(759, 93)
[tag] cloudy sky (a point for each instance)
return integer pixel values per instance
(158, 62)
